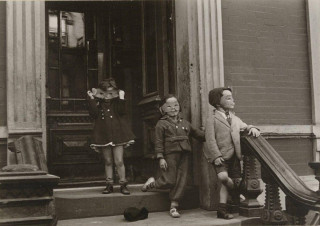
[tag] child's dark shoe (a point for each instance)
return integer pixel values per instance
(222, 212)
(108, 189)
(148, 185)
(124, 189)
(174, 213)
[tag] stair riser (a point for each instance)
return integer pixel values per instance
(72, 208)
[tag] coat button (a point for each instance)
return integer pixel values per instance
(108, 110)
(182, 127)
(110, 116)
(102, 118)
(177, 127)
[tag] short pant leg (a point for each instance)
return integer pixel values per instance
(231, 166)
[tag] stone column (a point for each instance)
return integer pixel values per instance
(313, 12)
(200, 55)
(25, 31)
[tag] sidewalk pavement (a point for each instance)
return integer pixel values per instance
(188, 217)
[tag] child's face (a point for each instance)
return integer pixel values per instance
(171, 107)
(227, 101)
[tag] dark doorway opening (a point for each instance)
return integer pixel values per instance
(86, 42)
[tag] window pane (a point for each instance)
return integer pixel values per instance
(53, 23)
(93, 79)
(72, 29)
(92, 54)
(73, 75)
(53, 83)
(150, 47)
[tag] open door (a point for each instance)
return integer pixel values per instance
(87, 42)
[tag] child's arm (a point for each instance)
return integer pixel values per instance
(212, 151)
(121, 103)
(93, 109)
(159, 146)
(159, 141)
(197, 133)
(252, 130)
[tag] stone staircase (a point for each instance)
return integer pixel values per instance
(77, 203)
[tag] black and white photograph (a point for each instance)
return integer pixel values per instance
(159, 112)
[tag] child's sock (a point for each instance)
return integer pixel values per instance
(222, 212)
(173, 209)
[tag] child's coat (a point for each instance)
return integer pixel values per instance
(222, 139)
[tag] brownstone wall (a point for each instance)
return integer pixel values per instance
(296, 152)
(3, 96)
(266, 60)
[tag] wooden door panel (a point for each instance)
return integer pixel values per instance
(71, 146)
(71, 156)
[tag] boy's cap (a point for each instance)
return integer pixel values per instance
(135, 214)
(216, 94)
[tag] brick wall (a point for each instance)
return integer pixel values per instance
(296, 152)
(266, 60)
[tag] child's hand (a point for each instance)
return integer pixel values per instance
(254, 132)
(163, 164)
(218, 161)
(90, 94)
(121, 94)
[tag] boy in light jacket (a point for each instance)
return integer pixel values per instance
(223, 142)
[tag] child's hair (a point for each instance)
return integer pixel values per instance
(216, 94)
(164, 100)
(105, 83)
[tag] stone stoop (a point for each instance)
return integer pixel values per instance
(26, 198)
(190, 217)
(90, 202)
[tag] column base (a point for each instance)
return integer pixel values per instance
(250, 212)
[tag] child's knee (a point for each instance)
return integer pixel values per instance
(108, 162)
(223, 177)
(119, 162)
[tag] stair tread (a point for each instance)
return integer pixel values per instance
(96, 193)
(188, 217)
(25, 219)
(90, 202)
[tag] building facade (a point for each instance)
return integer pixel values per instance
(53, 52)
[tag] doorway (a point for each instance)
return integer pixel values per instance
(86, 42)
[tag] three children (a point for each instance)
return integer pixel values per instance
(172, 144)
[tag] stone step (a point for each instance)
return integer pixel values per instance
(42, 220)
(191, 217)
(90, 202)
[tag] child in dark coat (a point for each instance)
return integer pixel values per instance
(223, 141)
(173, 150)
(111, 132)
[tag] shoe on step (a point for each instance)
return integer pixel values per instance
(108, 189)
(148, 185)
(222, 212)
(124, 190)
(174, 213)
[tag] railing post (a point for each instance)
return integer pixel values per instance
(250, 187)
(316, 167)
(272, 212)
(296, 212)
